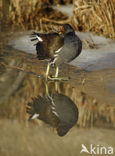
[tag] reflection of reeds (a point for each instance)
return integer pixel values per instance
(96, 16)
(91, 111)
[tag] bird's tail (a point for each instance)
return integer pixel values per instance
(36, 36)
(34, 108)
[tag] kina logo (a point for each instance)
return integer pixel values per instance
(96, 149)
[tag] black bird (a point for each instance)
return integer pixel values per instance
(58, 47)
(57, 110)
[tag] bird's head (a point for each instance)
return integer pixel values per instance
(63, 129)
(66, 28)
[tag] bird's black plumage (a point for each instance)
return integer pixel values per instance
(48, 44)
(59, 48)
(57, 110)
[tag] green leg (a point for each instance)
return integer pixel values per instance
(57, 71)
(47, 90)
(58, 78)
(55, 78)
(56, 83)
(47, 70)
(56, 86)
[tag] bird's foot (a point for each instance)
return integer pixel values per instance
(49, 78)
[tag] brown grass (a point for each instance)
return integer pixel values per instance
(95, 15)
(35, 14)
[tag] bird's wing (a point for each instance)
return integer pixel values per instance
(53, 106)
(48, 43)
(36, 107)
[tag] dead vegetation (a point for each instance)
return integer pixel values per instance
(95, 15)
(38, 15)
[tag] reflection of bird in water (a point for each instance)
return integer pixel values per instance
(59, 48)
(57, 110)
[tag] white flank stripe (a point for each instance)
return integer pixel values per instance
(57, 51)
(34, 116)
(54, 60)
(53, 108)
(52, 101)
(55, 55)
(39, 38)
(55, 113)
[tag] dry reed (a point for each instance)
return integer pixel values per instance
(95, 15)
(35, 14)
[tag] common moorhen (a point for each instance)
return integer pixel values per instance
(57, 47)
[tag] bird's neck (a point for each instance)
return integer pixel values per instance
(70, 34)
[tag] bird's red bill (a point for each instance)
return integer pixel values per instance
(62, 31)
